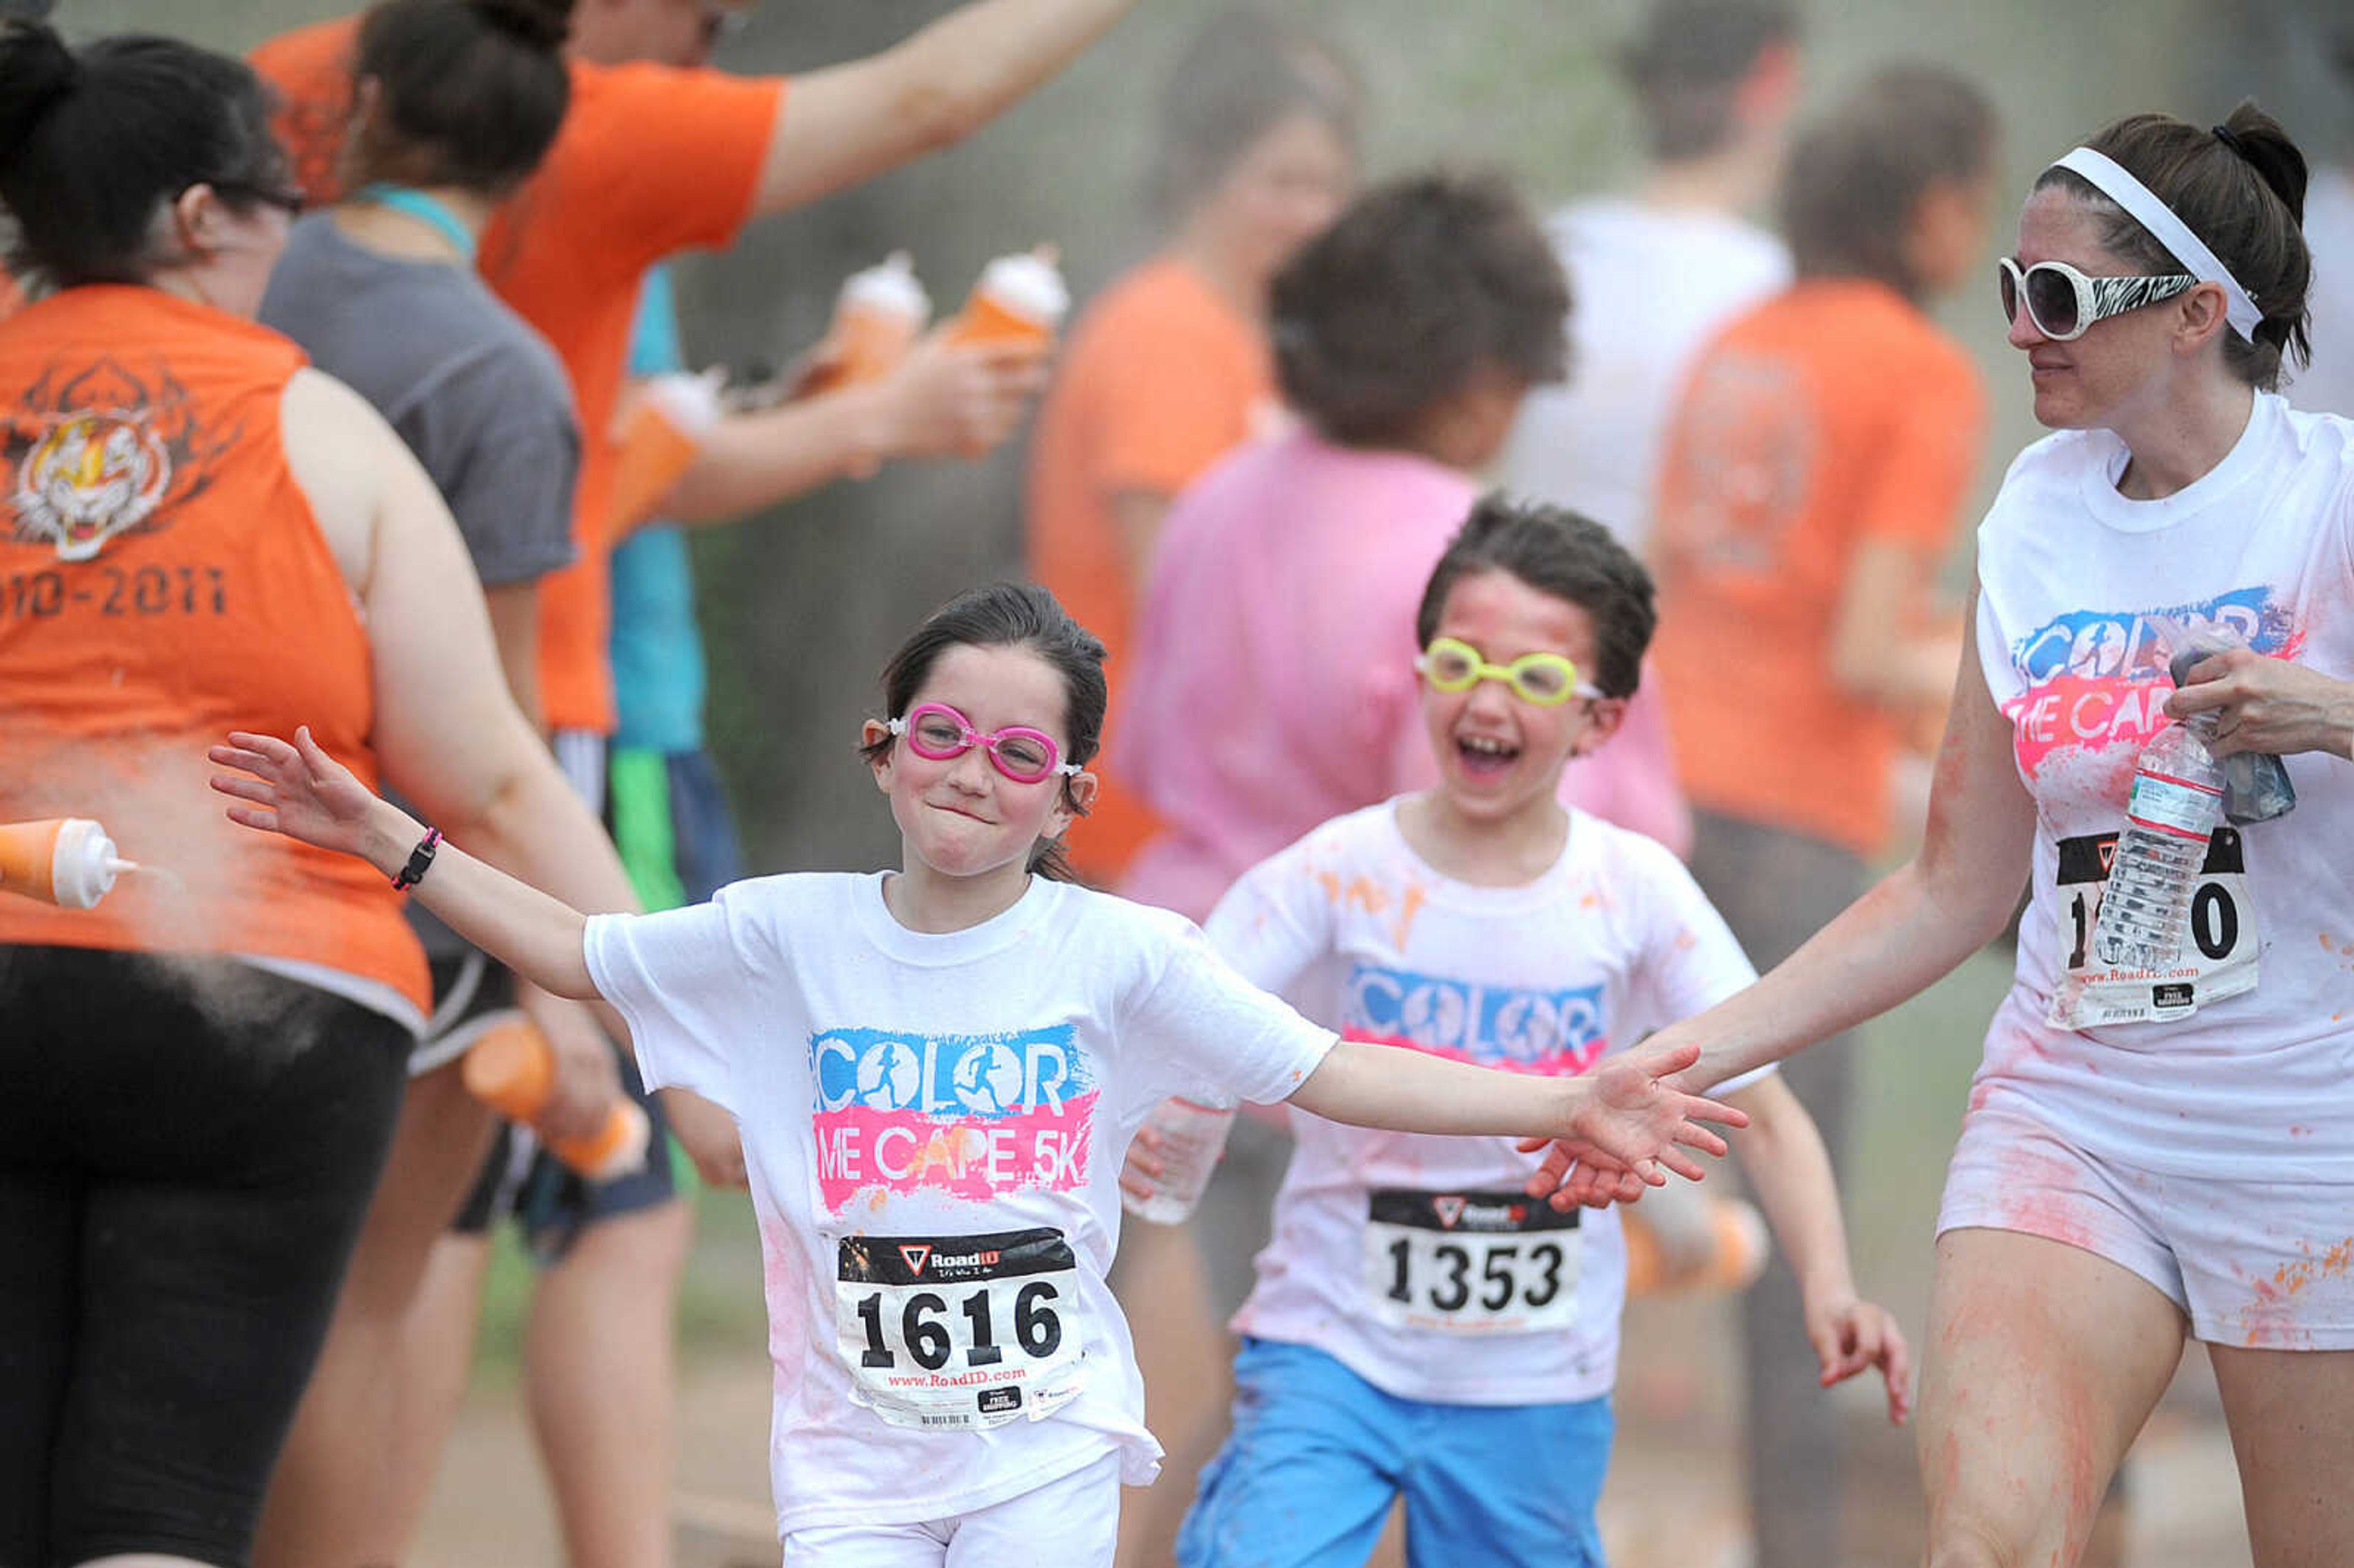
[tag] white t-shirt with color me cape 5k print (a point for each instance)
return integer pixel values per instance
(1413, 1259)
(933, 1126)
(2242, 1054)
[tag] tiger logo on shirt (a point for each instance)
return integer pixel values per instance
(97, 458)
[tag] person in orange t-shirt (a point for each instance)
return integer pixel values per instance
(655, 160)
(1170, 368)
(1814, 477)
(199, 1077)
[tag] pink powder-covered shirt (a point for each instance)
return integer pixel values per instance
(1272, 684)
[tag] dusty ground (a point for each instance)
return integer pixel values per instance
(1673, 1501)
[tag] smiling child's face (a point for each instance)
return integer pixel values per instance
(961, 817)
(1501, 756)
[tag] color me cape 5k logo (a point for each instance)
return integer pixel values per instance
(96, 456)
(1552, 1032)
(970, 1115)
(2098, 678)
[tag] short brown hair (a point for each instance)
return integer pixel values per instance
(1857, 175)
(1419, 284)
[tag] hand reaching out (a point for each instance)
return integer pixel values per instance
(1849, 1336)
(1630, 1125)
(297, 790)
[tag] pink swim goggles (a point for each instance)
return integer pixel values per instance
(937, 732)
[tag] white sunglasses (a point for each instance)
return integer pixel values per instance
(2063, 302)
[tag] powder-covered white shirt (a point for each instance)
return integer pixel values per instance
(2244, 1061)
(1653, 287)
(1414, 1260)
(934, 1127)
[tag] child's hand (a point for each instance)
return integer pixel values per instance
(1577, 1174)
(297, 790)
(1635, 1113)
(1849, 1335)
(1141, 1172)
(709, 1135)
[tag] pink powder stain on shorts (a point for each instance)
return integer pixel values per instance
(2042, 1195)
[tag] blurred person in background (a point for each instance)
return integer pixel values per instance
(202, 1075)
(1263, 694)
(1659, 269)
(1814, 481)
(570, 252)
(1169, 369)
(2118, 1186)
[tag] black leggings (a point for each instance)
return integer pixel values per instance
(186, 1148)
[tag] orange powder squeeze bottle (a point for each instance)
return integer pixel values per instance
(1019, 299)
(511, 1069)
(880, 314)
(664, 427)
(66, 860)
(1738, 1247)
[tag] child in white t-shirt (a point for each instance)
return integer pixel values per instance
(937, 1071)
(1421, 1325)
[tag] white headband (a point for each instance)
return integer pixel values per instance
(2142, 203)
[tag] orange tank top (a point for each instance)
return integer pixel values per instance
(162, 581)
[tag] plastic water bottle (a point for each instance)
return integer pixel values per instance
(2177, 797)
(1192, 1139)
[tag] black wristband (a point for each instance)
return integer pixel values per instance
(420, 861)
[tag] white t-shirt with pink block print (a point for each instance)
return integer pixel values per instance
(933, 1126)
(1413, 1259)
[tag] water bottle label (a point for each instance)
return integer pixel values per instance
(1471, 1263)
(2177, 806)
(2219, 948)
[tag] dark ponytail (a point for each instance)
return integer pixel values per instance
(468, 93)
(93, 143)
(36, 73)
(1012, 615)
(2239, 186)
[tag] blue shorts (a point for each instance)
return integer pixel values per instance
(1316, 1454)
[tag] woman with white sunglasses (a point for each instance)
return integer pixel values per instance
(2154, 1156)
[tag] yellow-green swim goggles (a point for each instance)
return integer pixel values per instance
(1542, 680)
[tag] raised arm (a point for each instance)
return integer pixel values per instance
(850, 123)
(1911, 928)
(1622, 1108)
(296, 789)
(942, 400)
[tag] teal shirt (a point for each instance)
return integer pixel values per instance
(655, 647)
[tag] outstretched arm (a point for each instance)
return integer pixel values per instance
(1621, 1109)
(944, 400)
(299, 790)
(850, 123)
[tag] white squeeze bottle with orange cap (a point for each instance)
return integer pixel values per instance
(66, 860)
(877, 318)
(1019, 299)
(511, 1069)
